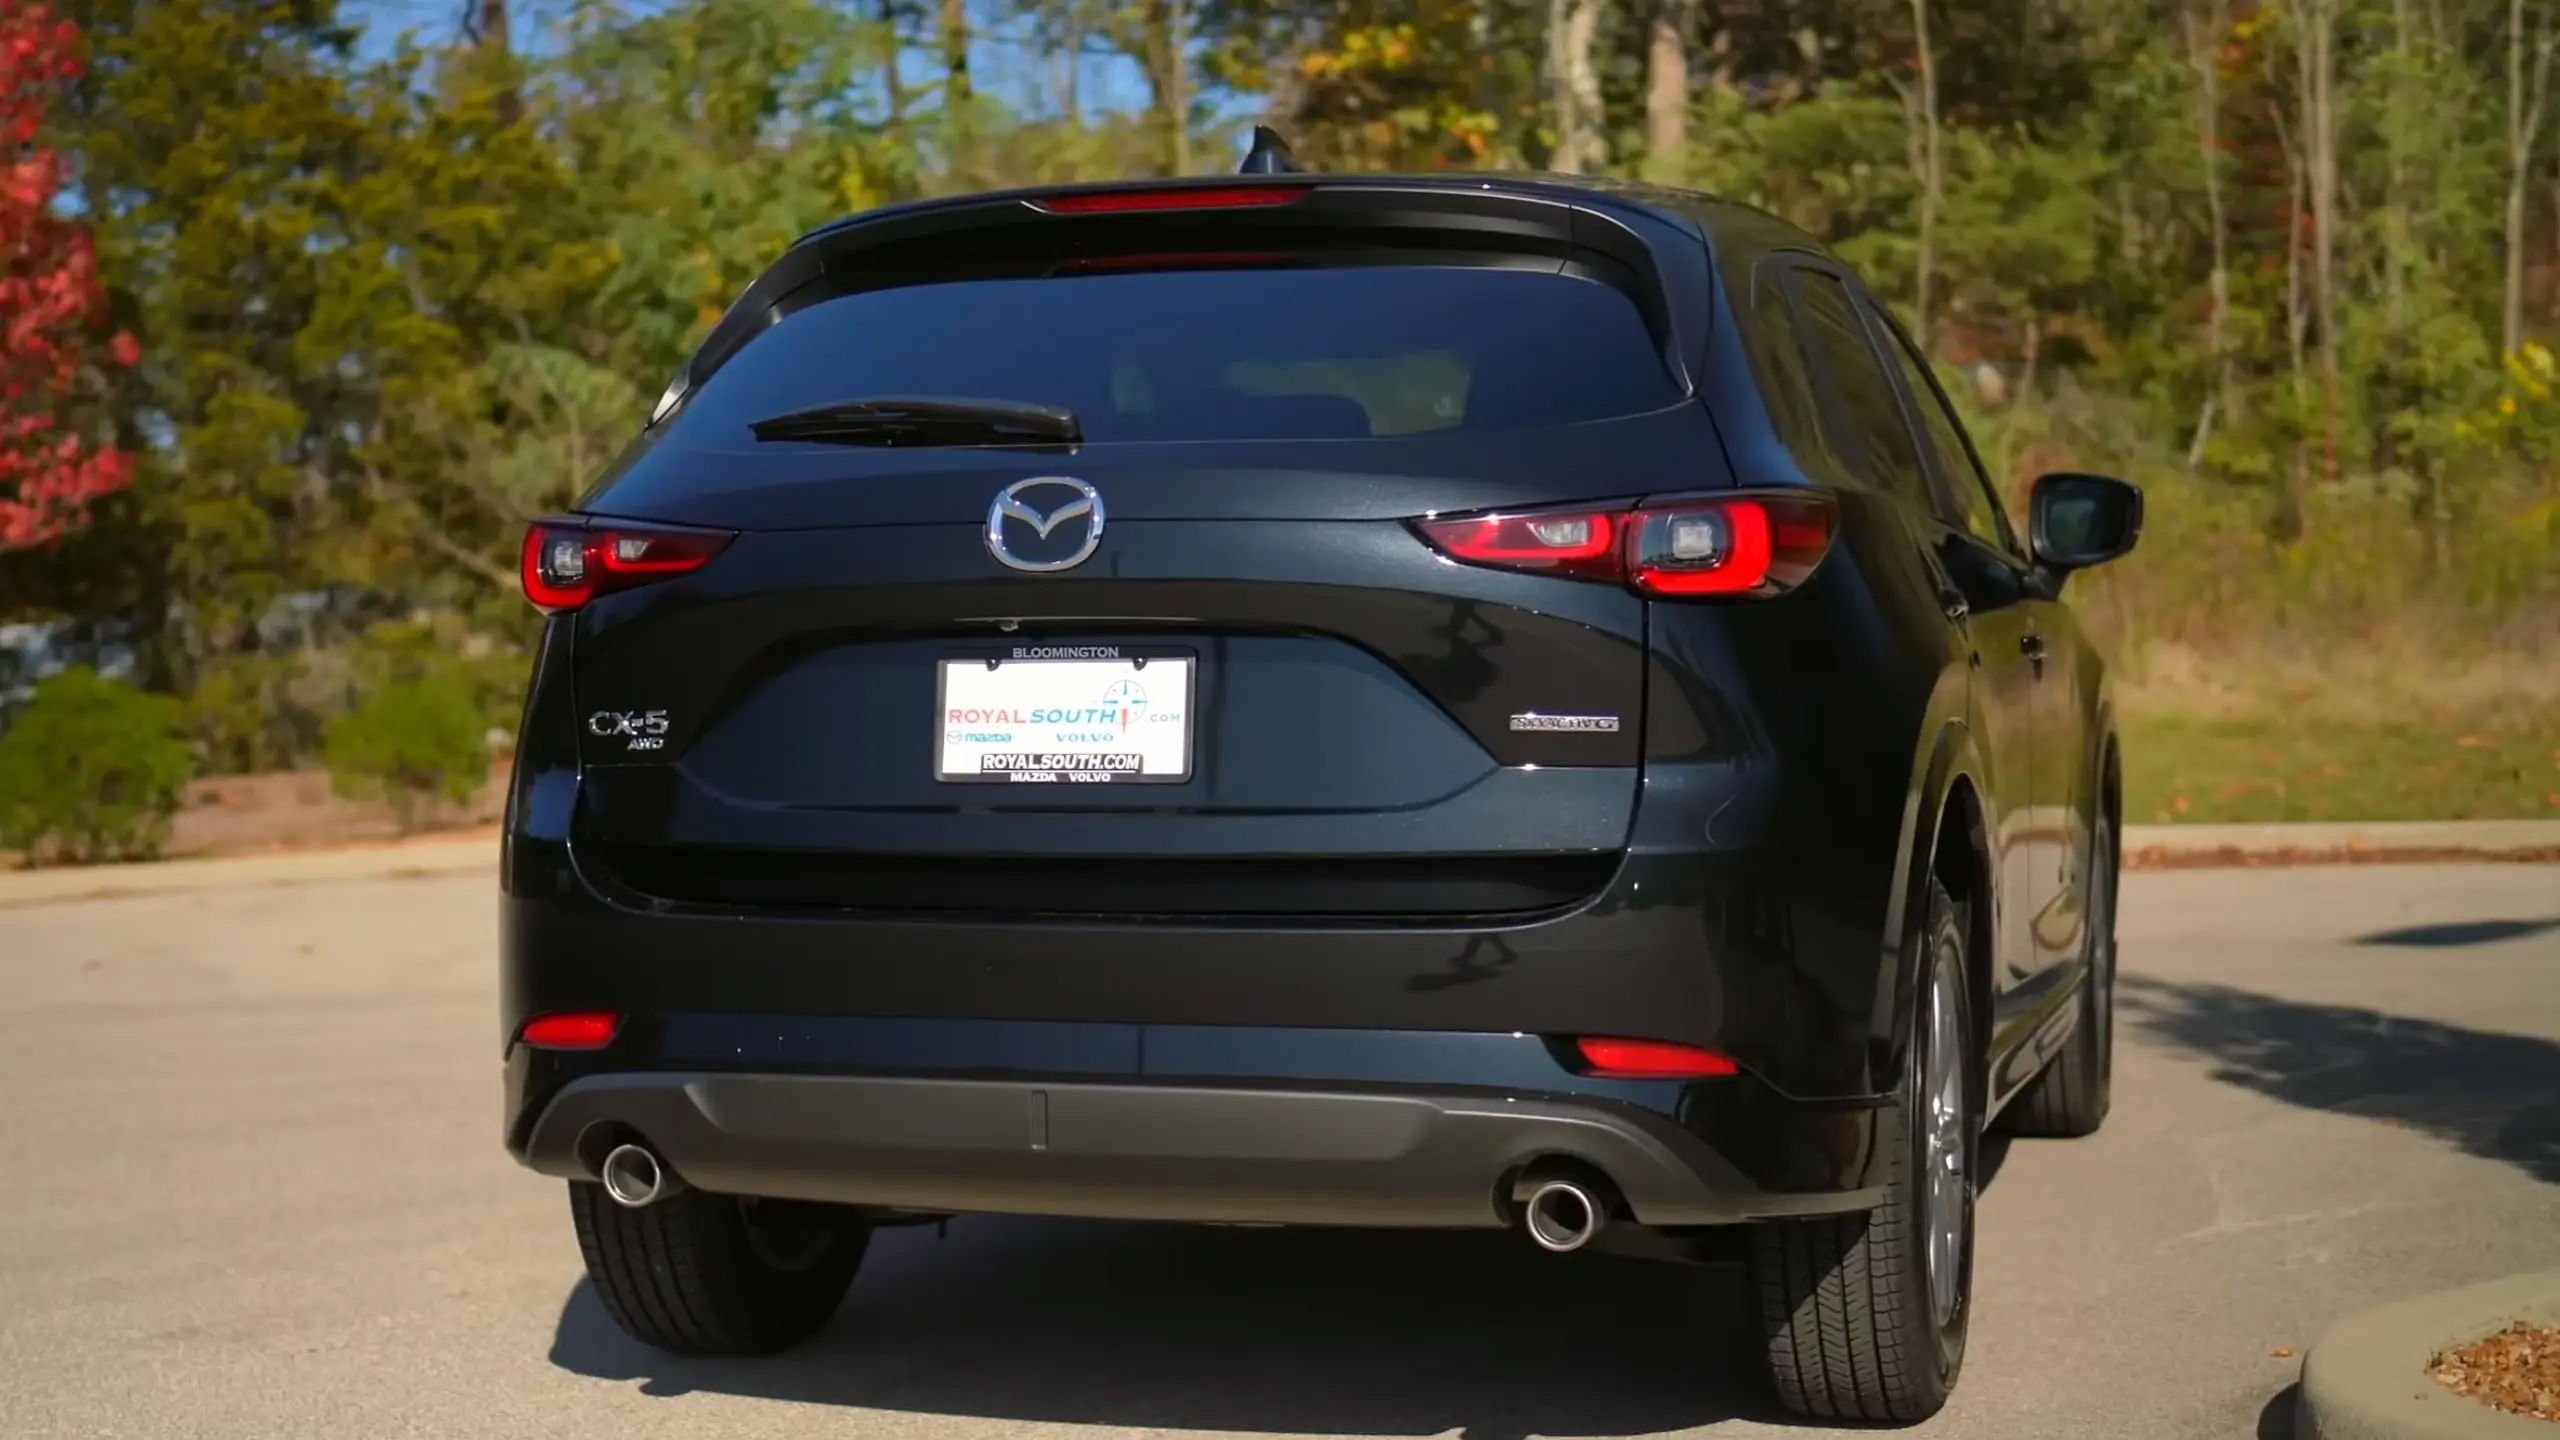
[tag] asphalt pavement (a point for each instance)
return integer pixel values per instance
(257, 1191)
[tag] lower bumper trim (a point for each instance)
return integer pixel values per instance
(1143, 1152)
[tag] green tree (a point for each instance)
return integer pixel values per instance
(395, 299)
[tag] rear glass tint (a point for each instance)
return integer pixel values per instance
(1216, 354)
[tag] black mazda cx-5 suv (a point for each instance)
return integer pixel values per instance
(1486, 701)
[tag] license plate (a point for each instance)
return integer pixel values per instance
(1065, 715)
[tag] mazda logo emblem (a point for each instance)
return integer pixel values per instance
(1024, 536)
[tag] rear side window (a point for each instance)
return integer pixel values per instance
(1777, 353)
(1976, 511)
(1866, 422)
(1272, 354)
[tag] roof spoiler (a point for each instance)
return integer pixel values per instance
(1269, 155)
(1021, 228)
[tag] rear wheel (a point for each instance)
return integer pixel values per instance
(2070, 1098)
(699, 1274)
(1865, 1315)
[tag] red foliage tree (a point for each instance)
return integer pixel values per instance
(49, 297)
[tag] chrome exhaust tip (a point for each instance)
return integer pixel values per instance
(1562, 1215)
(634, 1176)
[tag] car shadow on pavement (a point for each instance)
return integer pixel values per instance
(2275, 1418)
(1201, 1328)
(2490, 1094)
(2457, 933)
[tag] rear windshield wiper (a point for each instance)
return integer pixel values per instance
(925, 420)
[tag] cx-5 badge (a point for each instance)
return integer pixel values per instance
(1048, 549)
(1535, 721)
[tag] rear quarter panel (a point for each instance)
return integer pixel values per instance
(1851, 694)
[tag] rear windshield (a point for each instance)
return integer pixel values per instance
(1216, 354)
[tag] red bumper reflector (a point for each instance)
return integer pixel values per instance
(572, 1030)
(1650, 1060)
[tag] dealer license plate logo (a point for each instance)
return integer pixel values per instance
(1066, 715)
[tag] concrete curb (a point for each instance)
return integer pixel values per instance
(2367, 1377)
(2162, 847)
(426, 855)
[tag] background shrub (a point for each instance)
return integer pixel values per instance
(441, 649)
(245, 716)
(410, 741)
(91, 770)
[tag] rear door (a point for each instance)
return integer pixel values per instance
(1979, 587)
(1197, 663)
(1981, 553)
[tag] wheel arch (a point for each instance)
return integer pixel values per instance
(1946, 839)
(1961, 860)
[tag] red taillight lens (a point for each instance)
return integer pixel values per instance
(1759, 545)
(657, 552)
(1576, 542)
(1198, 197)
(1734, 545)
(559, 573)
(1650, 1060)
(565, 566)
(574, 1030)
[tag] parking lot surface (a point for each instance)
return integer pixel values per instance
(256, 1190)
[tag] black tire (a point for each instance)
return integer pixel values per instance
(2070, 1097)
(698, 1274)
(1846, 1308)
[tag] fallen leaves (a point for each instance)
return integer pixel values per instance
(2516, 1370)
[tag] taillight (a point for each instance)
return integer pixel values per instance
(1650, 1060)
(1196, 197)
(1732, 545)
(565, 566)
(573, 1030)
(1573, 542)
(1759, 545)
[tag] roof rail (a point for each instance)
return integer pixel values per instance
(1269, 155)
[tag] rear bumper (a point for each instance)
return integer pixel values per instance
(1383, 1157)
(1351, 1074)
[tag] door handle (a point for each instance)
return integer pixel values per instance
(2031, 645)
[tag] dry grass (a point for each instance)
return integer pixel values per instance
(2379, 727)
(2368, 679)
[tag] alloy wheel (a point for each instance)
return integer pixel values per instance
(1946, 1150)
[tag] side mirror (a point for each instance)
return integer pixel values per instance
(2076, 521)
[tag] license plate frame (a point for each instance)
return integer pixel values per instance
(958, 746)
